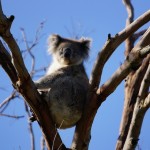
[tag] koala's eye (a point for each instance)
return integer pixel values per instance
(67, 52)
(67, 49)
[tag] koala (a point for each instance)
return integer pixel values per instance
(65, 84)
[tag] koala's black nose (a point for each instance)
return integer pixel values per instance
(67, 52)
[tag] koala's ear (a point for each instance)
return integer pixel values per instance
(86, 43)
(54, 40)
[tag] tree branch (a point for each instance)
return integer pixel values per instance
(138, 34)
(130, 10)
(132, 82)
(145, 85)
(130, 99)
(136, 124)
(5, 61)
(11, 116)
(83, 128)
(27, 88)
(111, 45)
(4, 104)
(142, 105)
(132, 61)
(30, 128)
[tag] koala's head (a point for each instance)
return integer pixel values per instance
(68, 51)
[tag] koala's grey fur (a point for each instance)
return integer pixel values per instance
(66, 83)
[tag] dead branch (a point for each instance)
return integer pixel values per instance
(129, 105)
(145, 85)
(82, 132)
(132, 61)
(30, 127)
(142, 105)
(132, 82)
(130, 10)
(29, 48)
(5, 103)
(138, 34)
(111, 45)
(11, 116)
(5, 61)
(8, 99)
(42, 143)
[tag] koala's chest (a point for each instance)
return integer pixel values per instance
(67, 94)
(66, 97)
(67, 89)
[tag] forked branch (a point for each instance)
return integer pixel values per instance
(111, 45)
(96, 97)
(25, 86)
(141, 106)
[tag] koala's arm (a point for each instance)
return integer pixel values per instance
(45, 82)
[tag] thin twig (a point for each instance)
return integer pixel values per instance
(138, 34)
(42, 143)
(145, 84)
(56, 136)
(11, 116)
(130, 10)
(30, 128)
(5, 103)
(29, 49)
(12, 96)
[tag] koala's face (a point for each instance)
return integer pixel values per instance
(67, 51)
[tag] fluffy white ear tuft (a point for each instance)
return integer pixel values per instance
(53, 41)
(86, 45)
(86, 42)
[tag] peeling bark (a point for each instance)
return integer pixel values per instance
(141, 106)
(133, 80)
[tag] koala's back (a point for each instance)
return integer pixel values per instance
(67, 96)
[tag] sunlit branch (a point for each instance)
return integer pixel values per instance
(132, 61)
(110, 46)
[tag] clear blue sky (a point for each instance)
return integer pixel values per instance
(91, 18)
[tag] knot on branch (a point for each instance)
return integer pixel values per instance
(32, 118)
(120, 138)
(134, 142)
(11, 18)
(5, 25)
(134, 60)
(109, 36)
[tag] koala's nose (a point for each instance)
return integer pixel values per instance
(67, 52)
